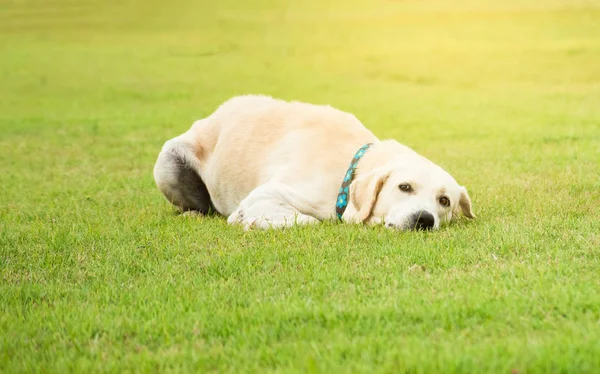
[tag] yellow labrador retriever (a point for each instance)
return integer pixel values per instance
(268, 163)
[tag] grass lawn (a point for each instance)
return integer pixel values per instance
(98, 273)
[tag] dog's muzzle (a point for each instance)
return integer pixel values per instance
(421, 220)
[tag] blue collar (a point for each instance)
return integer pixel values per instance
(342, 198)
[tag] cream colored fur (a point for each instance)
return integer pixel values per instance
(271, 163)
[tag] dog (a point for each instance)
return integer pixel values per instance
(269, 163)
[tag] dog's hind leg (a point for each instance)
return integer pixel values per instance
(177, 175)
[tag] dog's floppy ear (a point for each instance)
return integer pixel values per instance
(465, 203)
(364, 191)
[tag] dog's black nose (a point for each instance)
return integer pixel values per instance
(422, 220)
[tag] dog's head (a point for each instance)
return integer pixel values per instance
(408, 192)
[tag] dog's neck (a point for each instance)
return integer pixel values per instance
(343, 197)
(367, 162)
(381, 150)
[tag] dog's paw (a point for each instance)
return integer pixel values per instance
(235, 217)
(269, 221)
(251, 222)
(246, 216)
(192, 213)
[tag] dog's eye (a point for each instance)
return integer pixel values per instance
(405, 187)
(444, 201)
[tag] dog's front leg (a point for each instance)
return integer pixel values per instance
(272, 205)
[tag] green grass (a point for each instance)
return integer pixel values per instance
(99, 274)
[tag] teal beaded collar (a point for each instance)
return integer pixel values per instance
(342, 198)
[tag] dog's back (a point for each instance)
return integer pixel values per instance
(250, 140)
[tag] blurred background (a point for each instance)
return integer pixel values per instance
(84, 81)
